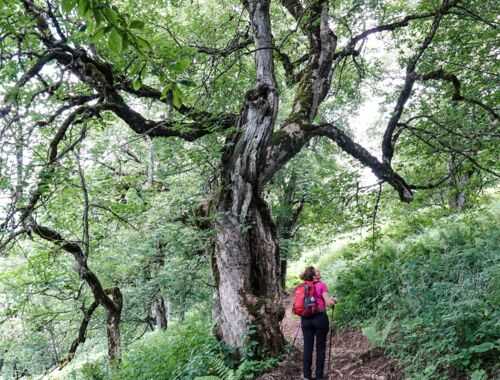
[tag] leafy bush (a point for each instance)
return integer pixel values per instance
(165, 355)
(185, 351)
(431, 298)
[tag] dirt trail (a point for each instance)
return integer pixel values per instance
(353, 357)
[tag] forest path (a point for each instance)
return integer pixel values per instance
(352, 356)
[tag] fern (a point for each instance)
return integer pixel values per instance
(221, 369)
(378, 337)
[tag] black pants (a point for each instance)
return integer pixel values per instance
(314, 326)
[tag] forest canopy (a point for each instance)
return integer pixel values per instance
(162, 158)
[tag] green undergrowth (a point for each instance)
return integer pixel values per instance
(184, 351)
(428, 293)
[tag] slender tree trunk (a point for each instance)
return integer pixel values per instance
(2, 359)
(114, 338)
(151, 163)
(160, 314)
(54, 347)
(170, 309)
(182, 307)
(15, 371)
(113, 326)
(19, 159)
(458, 184)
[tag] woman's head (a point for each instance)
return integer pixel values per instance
(310, 274)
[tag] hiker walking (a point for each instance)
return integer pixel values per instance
(314, 321)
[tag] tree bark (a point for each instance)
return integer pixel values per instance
(248, 286)
(160, 314)
(113, 327)
(2, 359)
(182, 306)
(458, 183)
(246, 267)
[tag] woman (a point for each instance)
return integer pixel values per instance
(316, 325)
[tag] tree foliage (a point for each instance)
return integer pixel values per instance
(141, 143)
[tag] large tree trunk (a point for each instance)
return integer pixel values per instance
(246, 268)
(248, 286)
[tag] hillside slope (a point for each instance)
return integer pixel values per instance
(428, 293)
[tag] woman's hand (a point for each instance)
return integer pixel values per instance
(329, 301)
(333, 301)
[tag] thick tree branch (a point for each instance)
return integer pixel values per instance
(457, 95)
(224, 121)
(100, 77)
(317, 75)
(295, 8)
(381, 169)
(387, 141)
(50, 56)
(381, 28)
(293, 137)
(99, 293)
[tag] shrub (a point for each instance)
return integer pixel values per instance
(184, 352)
(431, 298)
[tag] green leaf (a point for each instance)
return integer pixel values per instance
(110, 15)
(142, 43)
(83, 7)
(187, 82)
(115, 41)
(177, 96)
(137, 84)
(136, 68)
(98, 36)
(166, 90)
(98, 16)
(478, 374)
(181, 66)
(68, 5)
(137, 24)
(125, 41)
(163, 76)
(482, 347)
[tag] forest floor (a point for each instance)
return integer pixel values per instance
(352, 356)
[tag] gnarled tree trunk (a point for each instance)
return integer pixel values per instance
(249, 291)
(246, 249)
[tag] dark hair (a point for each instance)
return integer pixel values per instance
(308, 274)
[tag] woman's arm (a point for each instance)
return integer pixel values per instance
(329, 301)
